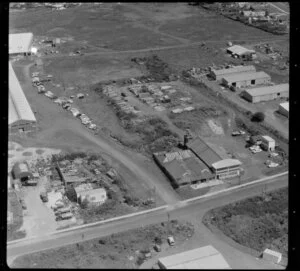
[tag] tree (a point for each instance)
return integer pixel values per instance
(71, 194)
(258, 117)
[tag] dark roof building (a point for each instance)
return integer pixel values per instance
(203, 152)
(21, 171)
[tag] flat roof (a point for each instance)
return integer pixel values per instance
(236, 69)
(245, 76)
(20, 43)
(19, 108)
(268, 138)
(268, 90)
(239, 50)
(285, 105)
(226, 163)
(200, 258)
(203, 151)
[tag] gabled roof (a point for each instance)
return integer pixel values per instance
(268, 90)
(239, 50)
(226, 163)
(285, 105)
(245, 76)
(20, 43)
(203, 151)
(233, 70)
(19, 108)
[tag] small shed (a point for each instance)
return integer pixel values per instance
(272, 256)
(284, 109)
(21, 171)
(268, 143)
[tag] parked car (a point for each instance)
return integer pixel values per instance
(92, 126)
(171, 240)
(44, 196)
(66, 106)
(157, 248)
(62, 211)
(273, 154)
(64, 216)
(272, 164)
(236, 133)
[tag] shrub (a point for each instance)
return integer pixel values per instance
(158, 240)
(140, 259)
(71, 194)
(258, 117)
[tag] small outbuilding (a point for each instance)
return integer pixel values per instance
(268, 143)
(95, 196)
(284, 109)
(238, 51)
(272, 256)
(227, 168)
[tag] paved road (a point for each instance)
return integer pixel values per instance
(185, 211)
(280, 6)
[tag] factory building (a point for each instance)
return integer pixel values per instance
(284, 108)
(200, 258)
(20, 115)
(21, 171)
(238, 51)
(219, 74)
(256, 95)
(246, 79)
(182, 167)
(20, 43)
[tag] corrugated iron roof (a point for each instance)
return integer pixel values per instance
(226, 163)
(268, 90)
(236, 69)
(203, 151)
(245, 76)
(239, 50)
(20, 43)
(285, 105)
(19, 108)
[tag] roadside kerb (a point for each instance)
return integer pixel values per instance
(90, 224)
(236, 187)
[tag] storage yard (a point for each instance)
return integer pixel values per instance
(138, 105)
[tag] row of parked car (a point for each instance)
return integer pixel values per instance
(61, 211)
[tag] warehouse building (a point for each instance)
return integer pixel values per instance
(284, 108)
(20, 115)
(246, 79)
(200, 258)
(238, 51)
(219, 74)
(256, 95)
(182, 167)
(20, 43)
(221, 168)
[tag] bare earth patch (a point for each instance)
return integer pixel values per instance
(27, 153)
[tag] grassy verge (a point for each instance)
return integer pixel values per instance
(257, 223)
(187, 192)
(15, 207)
(122, 250)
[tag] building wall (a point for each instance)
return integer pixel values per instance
(269, 145)
(283, 111)
(268, 97)
(228, 172)
(247, 83)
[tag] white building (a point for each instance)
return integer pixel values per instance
(20, 43)
(284, 108)
(268, 143)
(272, 256)
(94, 196)
(240, 51)
(227, 168)
(200, 258)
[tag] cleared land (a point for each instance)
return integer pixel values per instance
(122, 250)
(258, 223)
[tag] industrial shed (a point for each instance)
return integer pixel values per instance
(205, 153)
(256, 95)
(200, 258)
(20, 115)
(284, 108)
(240, 51)
(182, 167)
(219, 74)
(21, 171)
(246, 79)
(227, 168)
(20, 43)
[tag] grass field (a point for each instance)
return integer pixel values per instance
(121, 250)
(258, 223)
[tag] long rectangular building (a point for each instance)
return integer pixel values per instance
(246, 79)
(219, 74)
(256, 95)
(20, 115)
(200, 258)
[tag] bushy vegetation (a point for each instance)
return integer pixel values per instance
(258, 117)
(260, 222)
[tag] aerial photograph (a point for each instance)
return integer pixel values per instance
(148, 135)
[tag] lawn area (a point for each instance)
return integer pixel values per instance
(258, 223)
(15, 207)
(121, 250)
